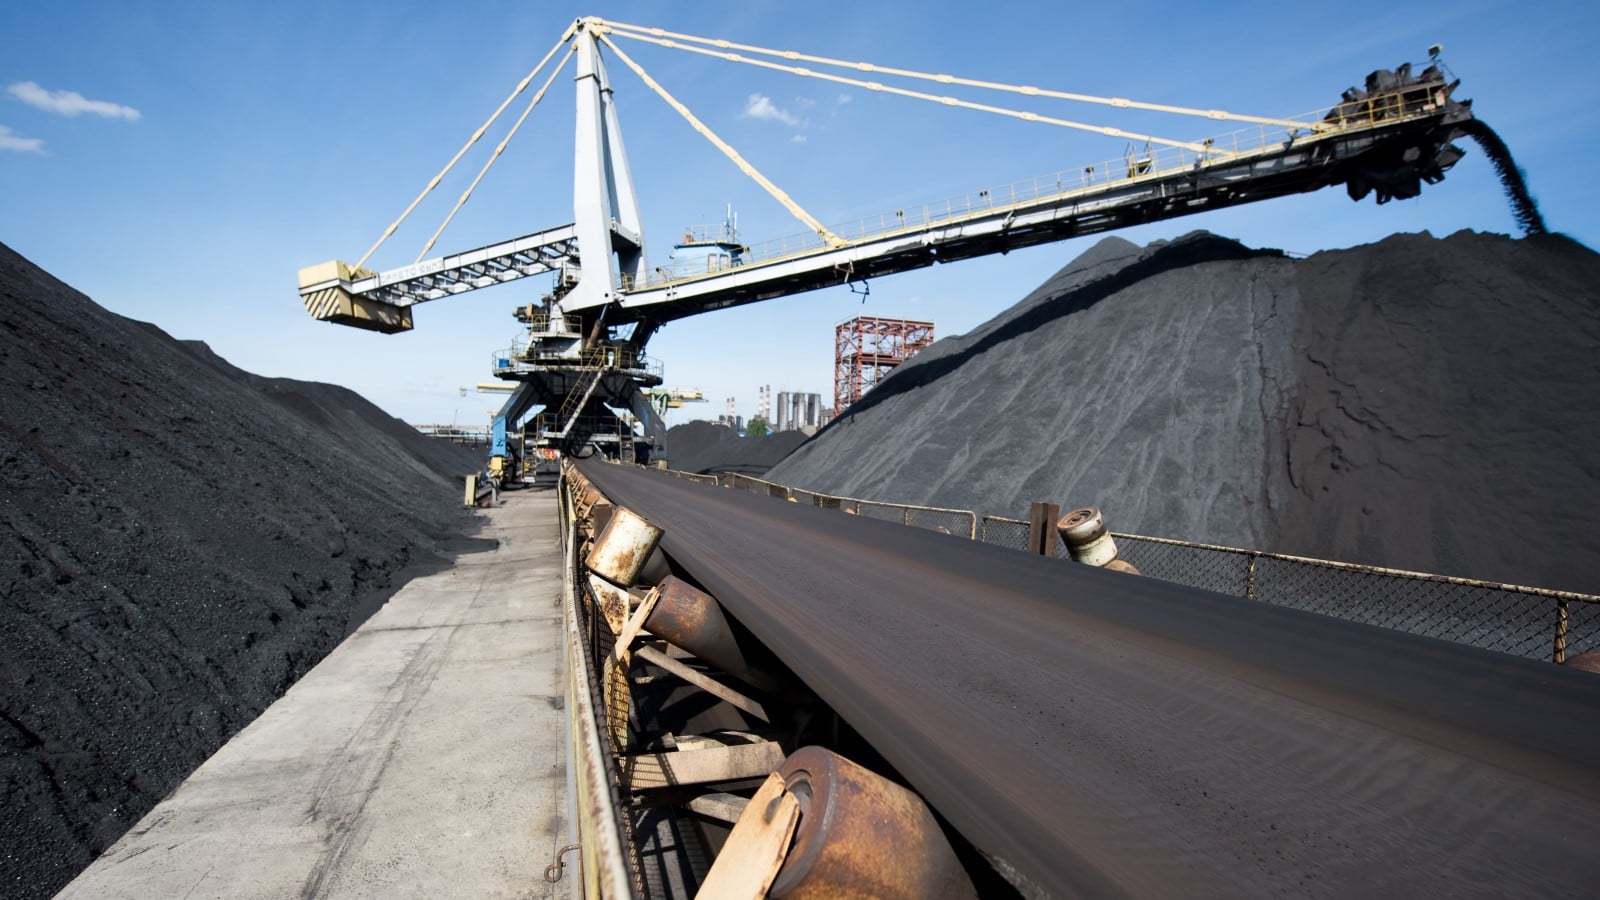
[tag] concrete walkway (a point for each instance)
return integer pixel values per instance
(424, 757)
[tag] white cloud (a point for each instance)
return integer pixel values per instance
(804, 102)
(10, 141)
(69, 103)
(798, 139)
(760, 106)
(843, 99)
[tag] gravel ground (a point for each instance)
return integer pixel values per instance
(179, 542)
(1420, 403)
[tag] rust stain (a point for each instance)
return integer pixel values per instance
(861, 835)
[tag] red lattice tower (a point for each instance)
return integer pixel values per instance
(866, 348)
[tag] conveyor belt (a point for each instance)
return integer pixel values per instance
(1102, 734)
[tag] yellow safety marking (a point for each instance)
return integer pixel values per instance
(777, 193)
(497, 151)
(521, 86)
(638, 32)
(947, 101)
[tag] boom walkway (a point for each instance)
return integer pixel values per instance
(423, 757)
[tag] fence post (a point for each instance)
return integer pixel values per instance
(1560, 655)
(1250, 578)
(1042, 528)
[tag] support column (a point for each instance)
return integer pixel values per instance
(605, 208)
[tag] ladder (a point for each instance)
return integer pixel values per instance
(625, 447)
(578, 397)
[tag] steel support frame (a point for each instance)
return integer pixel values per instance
(608, 224)
(444, 276)
(1300, 167)
(545, 387)
(1094, 733)
(604, 206)
(866, 348)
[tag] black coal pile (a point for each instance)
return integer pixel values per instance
(707, 448)
(179, 542)
(1416, 403)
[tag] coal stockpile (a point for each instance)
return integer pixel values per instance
(706, 448)
(179, 542)
(1417, 403)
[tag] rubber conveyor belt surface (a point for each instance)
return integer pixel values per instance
(1101, 734)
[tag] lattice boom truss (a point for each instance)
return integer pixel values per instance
(866, 348)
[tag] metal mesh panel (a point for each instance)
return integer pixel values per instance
(1583, 628)
(1211, 569)
(746, 483)
(944, 521)
(1003, 532)
(691, 476)
(887, 512)
(599, 642)
(1519, 621)
(822, 501)
(1482, 616)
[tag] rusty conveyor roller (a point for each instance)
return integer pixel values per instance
(1097, 734)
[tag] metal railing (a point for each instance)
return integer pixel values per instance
(605, 357)
(946, 521)
(1135, 165)
(610, 864)
(602, 427)
(609, 700)
(1536, 623)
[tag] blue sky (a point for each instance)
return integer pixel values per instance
(179, 162)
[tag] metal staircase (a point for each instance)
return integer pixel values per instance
(577, 398)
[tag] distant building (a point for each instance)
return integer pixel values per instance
(866, 348)
(797, 412)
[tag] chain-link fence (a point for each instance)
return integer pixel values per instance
(946, 521)
(1522, 621)
(1002, 532)
(691, 476)
(1210, 568)
(610, 699)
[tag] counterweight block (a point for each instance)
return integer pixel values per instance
(326, 289)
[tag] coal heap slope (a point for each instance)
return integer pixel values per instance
(179, 542)
(1416, 403)
(707, 448)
